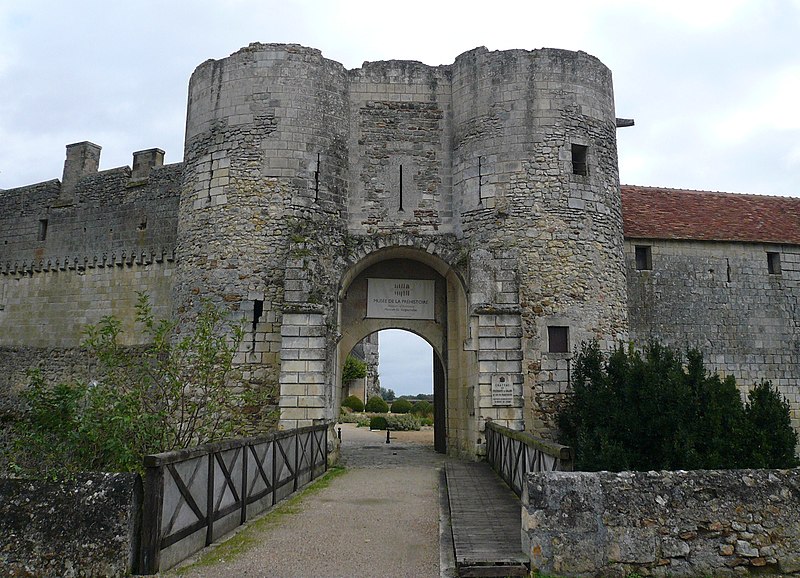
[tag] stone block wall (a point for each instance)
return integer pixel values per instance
(84, 527)
(72, 252)
(700, 523)
(722, 299)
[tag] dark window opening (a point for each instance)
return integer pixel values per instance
(258, 311)
(558, 339)
(579, 166)
(42, 229)
(644, 258)
(142, 224)
(774, 263)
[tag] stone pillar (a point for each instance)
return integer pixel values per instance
(304, 396)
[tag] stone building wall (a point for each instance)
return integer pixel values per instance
(700, 523)
(74, 251)
(722, 299)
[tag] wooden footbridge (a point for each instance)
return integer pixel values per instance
(483, 507)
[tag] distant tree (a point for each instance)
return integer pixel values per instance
(387, 394)
(353, 369)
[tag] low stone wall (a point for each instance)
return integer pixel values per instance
(82, 528)
(699, 523)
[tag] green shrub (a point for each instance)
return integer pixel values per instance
(645, 411)
(347, 417)
(401, 406)
(772, 438)
(426, 421)
(353, 369)
(377, 422)
(424, 408)
(375, 404)
(403, 422)
(173, 393)
(353, 402)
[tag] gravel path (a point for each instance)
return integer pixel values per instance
(380, 518)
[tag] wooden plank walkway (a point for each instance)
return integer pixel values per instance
(486, 521)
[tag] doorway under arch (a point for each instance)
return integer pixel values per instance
(410, 360)
(441, 321)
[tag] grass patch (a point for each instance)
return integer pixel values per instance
(245, 538)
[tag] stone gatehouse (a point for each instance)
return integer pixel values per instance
(476, 204)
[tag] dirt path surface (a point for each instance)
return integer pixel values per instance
(378, 519)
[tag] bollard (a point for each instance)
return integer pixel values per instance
(339, 434)
(387, 435)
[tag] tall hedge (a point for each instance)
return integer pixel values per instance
(647, 410)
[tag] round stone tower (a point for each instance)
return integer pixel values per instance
(535, 172)
(265, 147)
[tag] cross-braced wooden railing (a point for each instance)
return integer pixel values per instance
(512, 454)
(192, 497)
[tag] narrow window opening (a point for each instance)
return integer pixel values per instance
(316, 180)
(401, 188)
(579, 154)
(258, 311)
(42, 229)
(774, 263)
(558, 339)
(644, 258)
(728, 269)
(142, 224)
(480, 183)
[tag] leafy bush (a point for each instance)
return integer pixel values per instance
(375, 404)
(772, 438)
(353, 402)
(401, 406)
(423, 408)
(173, 393)
(377, 422)
(403, 422)
(353, 369)
(644, 411)
(426, 421)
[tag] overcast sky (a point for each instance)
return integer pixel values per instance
(712, 84)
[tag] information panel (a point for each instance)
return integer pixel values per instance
(502, 390)
(401, 298)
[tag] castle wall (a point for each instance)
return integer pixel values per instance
(722, 299)
(546, 242)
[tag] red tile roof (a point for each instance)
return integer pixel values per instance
(658, 213)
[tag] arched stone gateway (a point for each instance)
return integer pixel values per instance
(489, 185)
(493, 206)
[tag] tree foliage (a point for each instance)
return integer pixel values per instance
(173, 393)
(387, 394)
(646, 411)
(353, 369)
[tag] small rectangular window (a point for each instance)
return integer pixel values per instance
(42, 229)
(558, 339)
(644, 258)
(579, 166)
(774, 263)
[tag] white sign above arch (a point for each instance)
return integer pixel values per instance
(401, 298)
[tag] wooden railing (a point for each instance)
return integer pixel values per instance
(512, 454)
(195, 496)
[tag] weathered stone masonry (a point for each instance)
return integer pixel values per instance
(495, 176)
